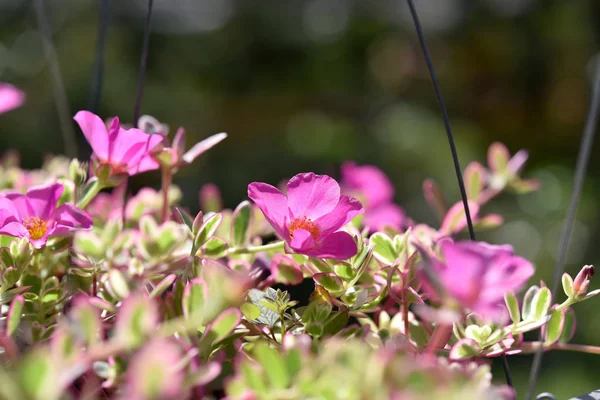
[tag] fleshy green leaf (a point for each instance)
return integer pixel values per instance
(208, 229)
(513, 307)
(273, 365)
(554, 327)
(498, 157)
(463, 349)
(540, 304)
(215, 247)
(456, 220)
(383, 250)
(329, 281)
(250, 311)
(163, 285)
(241, 223)
(527, 300)
(569, 325)
(194, 297)
(344, 271)
(267, 316)
(567, 284)
(474, 177)
(14, 315)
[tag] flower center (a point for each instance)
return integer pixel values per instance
(36, 227)
(306, 224)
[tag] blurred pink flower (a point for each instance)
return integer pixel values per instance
(371, 184)
(35, 216)
(126, 151)
(175, 156)
(310, 217)
(478, 275)
(10, 97)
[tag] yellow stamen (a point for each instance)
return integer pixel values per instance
(36, 227)
(306, 224)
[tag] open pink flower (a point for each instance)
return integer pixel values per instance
(126, 151)
(478, 275)
(10, 97)
(309, 219)
(35, 216)
(371, 184)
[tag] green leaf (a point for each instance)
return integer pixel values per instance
(250, 311)
(10, 294)
(315, 329)
(384, 250)
(224, 324)
(183, 217)
(527, 300)
(329, 281)
(273, 364)
(267, 316)
(6, 258)
(498, 157)
(163, 285)
(10, 276)
(38, 375)
(241, 223)
(567, 284)
(208, 229)
(513, 307)
(540, 304)
(463, 349)
(335, 323)
(321, 265)
(293, 362)
(474, 180)
(89, 244)
(118, 284)
(569, 325)
(88, 321)
(344, 271)
(194, 297)
(215, 247)
(554, 327)
(14, 315)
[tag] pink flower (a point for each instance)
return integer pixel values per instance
(477, 275)
(175, 156)
(10, 97)
(35, 216)
(310, 217)
(371, 184)
(126, 151)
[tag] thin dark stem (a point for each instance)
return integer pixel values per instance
(583, 157)
(143, 61)
(98, 75)
(60, 95)
(461, 184)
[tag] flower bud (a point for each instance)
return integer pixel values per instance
(582, 281)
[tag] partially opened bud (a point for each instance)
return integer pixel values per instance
(582, 280)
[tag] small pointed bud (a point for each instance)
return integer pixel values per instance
(77, 172)
(582, 282)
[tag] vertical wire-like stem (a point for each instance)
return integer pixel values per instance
(60, 95)
(143, 61)
(583, 157)
(442, 104)
(98, 74)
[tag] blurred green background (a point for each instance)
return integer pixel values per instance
(304, 85)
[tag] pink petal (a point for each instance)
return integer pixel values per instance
(302, 241)
(203, 146)
(338, 245)
(179, 141)
(386, 215)
(517, 162)
(69, 218)
(94, 130)
(10, 97)
(146, 164)
(272, 203)
(463, 272)
(38, 202)
(8, 211)
(311, 195)
(14, 229)
(368, 180)
(346, 209)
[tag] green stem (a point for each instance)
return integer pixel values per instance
(532, 347)
(166, 183)
(256, 249)
(92, 192)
